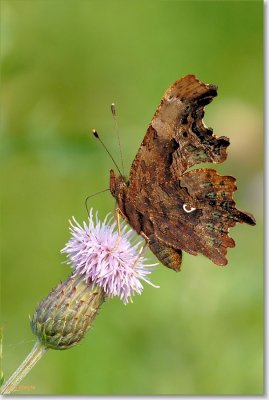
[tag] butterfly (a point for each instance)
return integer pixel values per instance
(174, 208)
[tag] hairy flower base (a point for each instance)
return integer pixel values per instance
(67, 313)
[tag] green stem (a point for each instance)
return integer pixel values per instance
(33, 357)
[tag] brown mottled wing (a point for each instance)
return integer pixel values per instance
(204, 230)
(177, 138)
(159, 186)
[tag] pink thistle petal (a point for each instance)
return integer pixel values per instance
(113, 262)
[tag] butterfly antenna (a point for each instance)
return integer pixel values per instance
(87, 198)
(95, 134)
(113, 110)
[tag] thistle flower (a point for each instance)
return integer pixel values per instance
(105, 264)
(109, 260)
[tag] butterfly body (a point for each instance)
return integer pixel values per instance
(175, 208)
(141, 223)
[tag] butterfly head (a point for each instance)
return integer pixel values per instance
(118, 187)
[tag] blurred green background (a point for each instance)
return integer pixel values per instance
(63, 63)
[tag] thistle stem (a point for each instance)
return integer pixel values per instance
(33, 357)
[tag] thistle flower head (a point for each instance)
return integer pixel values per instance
(110, 260)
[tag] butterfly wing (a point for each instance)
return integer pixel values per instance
(159, 185)
(177, 138)
(202, 212)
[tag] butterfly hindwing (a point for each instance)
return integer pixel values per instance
(201, 214)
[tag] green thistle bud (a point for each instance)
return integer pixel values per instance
(67, 313)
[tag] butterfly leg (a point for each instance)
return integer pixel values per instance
(117, 214)
(141, 253)
(144, 236)
(145, 245)
(117, 217)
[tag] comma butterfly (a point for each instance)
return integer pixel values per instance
(172, 207)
